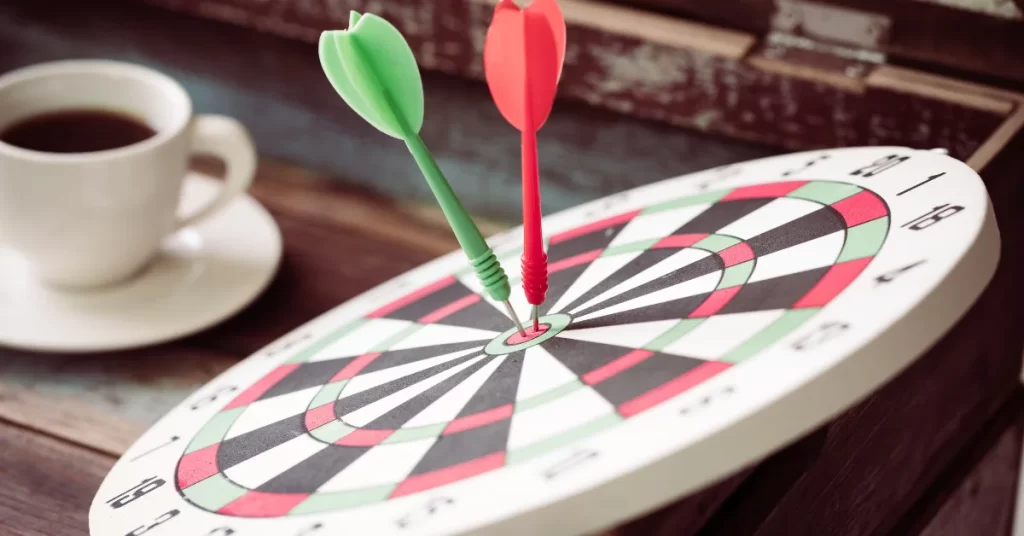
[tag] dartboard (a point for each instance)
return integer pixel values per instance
(691, 327)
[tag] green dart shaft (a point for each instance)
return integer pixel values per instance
(372, 67)
(481, 257)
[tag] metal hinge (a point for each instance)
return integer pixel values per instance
(836, 40)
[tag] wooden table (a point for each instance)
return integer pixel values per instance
(934, 452)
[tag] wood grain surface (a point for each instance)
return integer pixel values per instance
(977, 494)
(46, 484)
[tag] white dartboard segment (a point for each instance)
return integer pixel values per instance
(692, 327)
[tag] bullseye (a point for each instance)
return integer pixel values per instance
(518, 338)
(513, 341)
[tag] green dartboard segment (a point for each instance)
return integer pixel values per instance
(373, 69)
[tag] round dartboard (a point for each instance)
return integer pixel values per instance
(692, 326)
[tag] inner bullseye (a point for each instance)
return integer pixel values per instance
(518, 338)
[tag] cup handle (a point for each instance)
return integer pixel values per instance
(224, 137)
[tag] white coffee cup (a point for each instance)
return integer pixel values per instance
(97, 218)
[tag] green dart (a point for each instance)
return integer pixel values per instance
(373, 69)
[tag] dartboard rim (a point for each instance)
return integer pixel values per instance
(776, 421)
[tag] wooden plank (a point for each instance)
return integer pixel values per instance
(68, 419)
(996, 143)
(944, 88)
(835, 79)
(992, 8)
(131, 387)
(977, 493)
(46, 485)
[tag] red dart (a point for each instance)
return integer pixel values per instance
(523, 54)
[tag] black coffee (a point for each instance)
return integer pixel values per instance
(76, 131)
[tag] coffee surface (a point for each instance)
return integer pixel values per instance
(76, 131)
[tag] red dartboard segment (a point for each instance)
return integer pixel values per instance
(629, 378)
(409, 298)
(260, 504)
(256, 390)
(738, 254)
(715, 302)
(771, 190)
(452, 308)
(832, 283)
(197, 466)
(352, 369)
(319, 416)
(668, 390)
(575, 260)
(451, 474)
(615, 367)
(364, 438)
(679, 241)
(591, 227)
(860, 208)
(483, 418)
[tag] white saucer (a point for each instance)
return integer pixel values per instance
(203, 275)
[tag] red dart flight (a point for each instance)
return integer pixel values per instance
(523, 54)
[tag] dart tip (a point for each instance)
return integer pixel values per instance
(515, 319)
(535, 315)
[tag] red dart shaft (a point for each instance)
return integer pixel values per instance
(523, 54)
(535, 261)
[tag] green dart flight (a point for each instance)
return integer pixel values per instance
(373, 69)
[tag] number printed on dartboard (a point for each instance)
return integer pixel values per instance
(878, 166)
(806, 166)
(821, 335)
(708, 400)
(216, 395)
(136, 492)
(710, 178)
(576, 460)
(425, 512)
(290, 344)
(933, 217)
